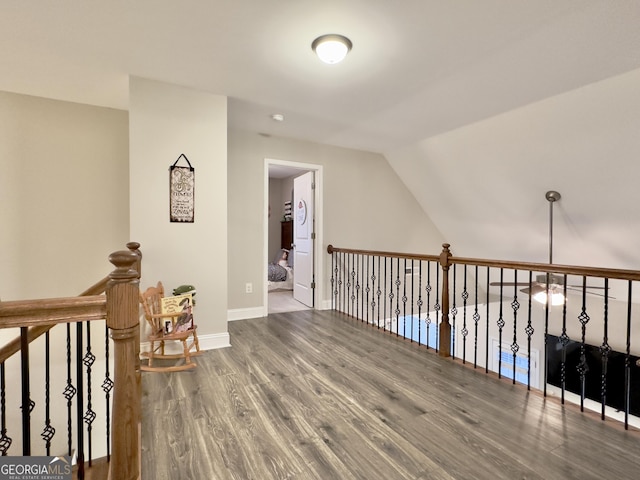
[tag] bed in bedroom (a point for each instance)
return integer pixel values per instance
(280, 271)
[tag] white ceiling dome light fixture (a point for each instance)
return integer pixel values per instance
(331, 48)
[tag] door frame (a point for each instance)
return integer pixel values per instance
(318, 293)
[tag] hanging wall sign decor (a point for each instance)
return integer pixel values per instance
(182, 182)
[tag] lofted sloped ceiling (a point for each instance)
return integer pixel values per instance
(459, 96)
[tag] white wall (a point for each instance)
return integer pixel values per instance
(484, 184)
(165, 121)
(365, 206)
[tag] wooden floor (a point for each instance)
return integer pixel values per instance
(313, 395)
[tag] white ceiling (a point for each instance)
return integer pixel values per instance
(417, 68)
(418, 71)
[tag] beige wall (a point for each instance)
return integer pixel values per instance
(64, 196)
(365, 206)
(165, 121)
(64, 205)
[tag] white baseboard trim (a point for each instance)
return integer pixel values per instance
(245, 313)
(207, 342)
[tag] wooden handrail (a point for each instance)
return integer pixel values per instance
(49, 312)
(612, 273)
(446, 260)
(13, 347)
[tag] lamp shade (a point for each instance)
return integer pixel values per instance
(331, 48)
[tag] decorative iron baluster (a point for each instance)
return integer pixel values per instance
(486, 335)
(107, 386)
(515, 305)
(627, 360)
(546, 342)
(356, 285)
(341, 283)
(5, 441)
(367, 290)
(89, 416)
(464, 331)
(334, 271)
(80, 399)
(582, 367)
(48, 432)
(391, 295)
(428, 290)
(404, 301)
(500, 324)
(373, 293)
(69, 393)
(384, 286)
(564, 338)
(350, 278)
(605, 349)
(27, 403)
(476, 320)
(419, 301)
(412, 291)
(397, 310)
(454, 312)
(529, 330)
(436, 308)
(379, 291)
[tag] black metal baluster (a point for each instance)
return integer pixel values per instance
(107, 386)
(356, 284)
(332, 281)
(564, 338)
(27, 403)
(486, 335)
(379, 291)
(89, 416)
(397, 310)
(5, 440)
(48, 432)
(404, 301)
(419, 301)
(529, 330)
(69, 393)
(627, 360)
(454, 313)
(391, 295)
(464, 331)
(350, 276)
(368, 290)
(605, 349)
(80, 399)
(436, 308)
(476, 320)
(412, 292)
(546, 343)
(515, 305)
(341, 281)
(500, 324)
(428, 290)
(384, 286)
(582, 365)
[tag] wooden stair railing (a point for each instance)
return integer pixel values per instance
(13, 347)
(120, 307)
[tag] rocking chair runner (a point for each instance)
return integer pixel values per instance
(151, 300)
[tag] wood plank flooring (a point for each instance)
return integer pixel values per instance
(314, 395)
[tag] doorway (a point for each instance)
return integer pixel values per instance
(278, 176)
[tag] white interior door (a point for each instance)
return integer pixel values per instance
(303, 222)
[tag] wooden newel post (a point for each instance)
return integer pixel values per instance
(445, 326)
(124, 322)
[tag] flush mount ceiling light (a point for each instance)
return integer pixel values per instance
(278, 117)
(331, 48)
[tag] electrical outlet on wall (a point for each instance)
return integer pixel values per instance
(248, 288)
